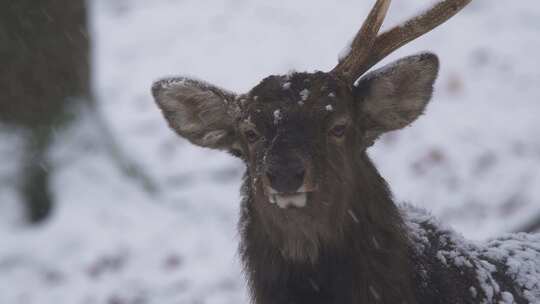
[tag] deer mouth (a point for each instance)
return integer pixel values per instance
(293, 199)
(286, 200)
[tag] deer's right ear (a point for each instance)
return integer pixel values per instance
(197, 111)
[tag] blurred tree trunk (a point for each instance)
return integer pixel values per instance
(44, 72)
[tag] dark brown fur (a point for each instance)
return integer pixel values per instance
(350, 244)
(349, 258)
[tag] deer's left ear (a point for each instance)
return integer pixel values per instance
(394, 96)
(197, 111)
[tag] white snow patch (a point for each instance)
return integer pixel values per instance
(290, 73)
(441, 257)
(519, 253)
(304, 94)
(507, 298)
(473, 292)
(213, 137)
(277, 116)
(173, 82)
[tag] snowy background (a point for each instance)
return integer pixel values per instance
(473, 160)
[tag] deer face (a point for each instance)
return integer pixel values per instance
(290, 125)
(300, 134)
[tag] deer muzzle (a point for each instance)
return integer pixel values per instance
(287, 182)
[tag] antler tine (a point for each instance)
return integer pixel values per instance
(363, 41)
(398, 36)
(395, 38)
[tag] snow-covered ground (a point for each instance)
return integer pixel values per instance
(473, 159)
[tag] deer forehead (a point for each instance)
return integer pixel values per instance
(296, 98)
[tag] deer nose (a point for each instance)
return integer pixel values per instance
(287, 178)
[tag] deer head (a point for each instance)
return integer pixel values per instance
(302, 134)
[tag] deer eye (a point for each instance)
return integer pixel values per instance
(251, 136)
(338, 130)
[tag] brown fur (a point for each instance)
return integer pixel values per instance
(359, 231)
(307, 134)
(348, 245)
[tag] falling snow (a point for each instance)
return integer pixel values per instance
(179, 246)
(374, 293)
(353, 215)
(314, 285)
(375, 243)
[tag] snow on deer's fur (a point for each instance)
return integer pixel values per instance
(318, 222)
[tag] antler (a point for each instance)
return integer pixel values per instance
(363, 41)
(367, 48)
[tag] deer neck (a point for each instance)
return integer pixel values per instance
(364, 232)
(361, 216)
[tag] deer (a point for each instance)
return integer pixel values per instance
(318, 223)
